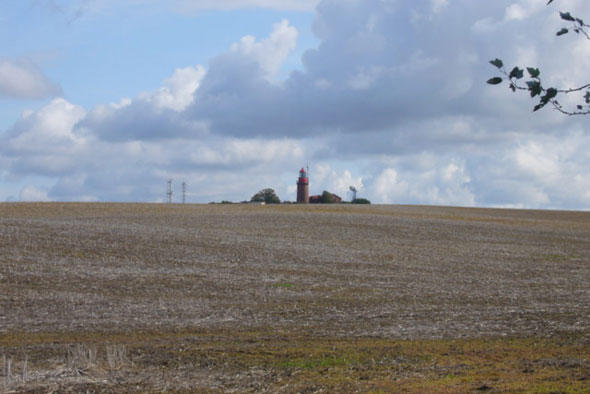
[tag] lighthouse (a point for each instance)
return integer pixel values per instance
(303, 187)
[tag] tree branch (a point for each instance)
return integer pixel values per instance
(559, 108)
(534, 84)
(566, 91)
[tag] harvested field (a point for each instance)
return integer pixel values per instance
(149, 297)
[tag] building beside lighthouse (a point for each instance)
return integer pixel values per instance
(303, 187)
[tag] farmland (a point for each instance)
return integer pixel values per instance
(152, 297)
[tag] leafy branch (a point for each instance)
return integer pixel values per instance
(533, 83)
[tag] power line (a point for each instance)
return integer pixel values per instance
(169, 191)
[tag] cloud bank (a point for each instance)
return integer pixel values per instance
(393, 100)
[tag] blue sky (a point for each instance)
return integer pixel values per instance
(104, 100)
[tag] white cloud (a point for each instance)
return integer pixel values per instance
(23, 80)
(236, 152)
(486, 25)
(515, 11)
(523, 9)
(434, 181)
(324, 177)
(439, 5)
(536, 161)
(31, 193)
(52, 125)
(271, 52)
(548, 163)
(387, 188)
(178, 90)
(44, 142)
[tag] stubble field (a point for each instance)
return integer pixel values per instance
(149, 297)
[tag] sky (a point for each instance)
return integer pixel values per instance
(105, 100)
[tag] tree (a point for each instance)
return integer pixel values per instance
(266, 196)
(533, 83)
(329, 198)
(360, 201)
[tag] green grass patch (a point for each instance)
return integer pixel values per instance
(557, 258)
(305, 361)
(284, 285)
(313, 363)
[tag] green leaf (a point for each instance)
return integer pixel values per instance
(549, 94)
(562, 32)
(566, 16)
(579, 107)
(587, 97)
(497, 62)
(516, 73)
(495, 81)
(538, 107)
(534, 87)
(581, 22)
(533, 72)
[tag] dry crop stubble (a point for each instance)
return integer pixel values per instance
(235, 279)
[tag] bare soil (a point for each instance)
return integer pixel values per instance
(252, 292)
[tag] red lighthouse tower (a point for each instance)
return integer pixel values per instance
(303, 187)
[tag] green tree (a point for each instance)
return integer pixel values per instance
(267, 196)
(327, 198)
(533, 83)
(360, 201)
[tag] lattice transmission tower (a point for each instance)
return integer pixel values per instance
(169, 191)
